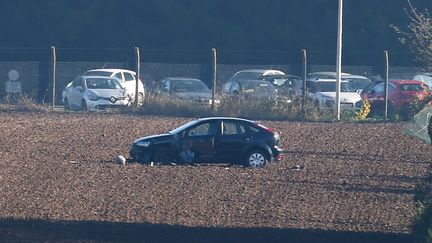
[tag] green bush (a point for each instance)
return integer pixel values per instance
(243, 107)
(422, 225)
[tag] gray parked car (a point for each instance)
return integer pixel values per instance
(187, 89)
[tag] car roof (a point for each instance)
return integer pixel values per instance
(97, 76)
(181, 78)
(263, 71)
(354, 76)
(112, 70)
(405, 81)
(329, 80)
(283, 76)
(224, 118)
(327, 73)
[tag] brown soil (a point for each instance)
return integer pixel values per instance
(59, 182)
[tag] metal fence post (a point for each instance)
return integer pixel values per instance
(214, 70)
(304, 64)
(137, 70)
(53, 74)
(386, 78)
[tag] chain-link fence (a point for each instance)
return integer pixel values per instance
(37, 82)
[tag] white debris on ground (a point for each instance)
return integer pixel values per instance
(120, 159)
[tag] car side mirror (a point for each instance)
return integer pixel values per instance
(371, 92)
(80, 88)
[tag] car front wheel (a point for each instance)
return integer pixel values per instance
(163, 155)
(256, 158)
(83, 105)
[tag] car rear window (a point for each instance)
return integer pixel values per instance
(411, 87)
(98, 73)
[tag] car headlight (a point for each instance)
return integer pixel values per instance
(92, 96)
(143, 143)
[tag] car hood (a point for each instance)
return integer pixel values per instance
(108, 92)
(193, 95)
(344, 96)
(154, 138)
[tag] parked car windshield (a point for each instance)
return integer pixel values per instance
(257, 87)
(357, 83)
(331, 87)
(189, 86)
(102, 83)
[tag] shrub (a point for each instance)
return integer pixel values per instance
(422, 226)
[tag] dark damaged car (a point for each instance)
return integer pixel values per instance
(211, 140)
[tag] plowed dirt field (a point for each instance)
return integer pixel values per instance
(60, 183)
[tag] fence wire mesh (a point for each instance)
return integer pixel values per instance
(36, 80)
(28, 77)
(418, 126)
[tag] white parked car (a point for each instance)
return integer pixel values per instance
(323, 93)
(93, 92)
(127, 79)
(357, 82)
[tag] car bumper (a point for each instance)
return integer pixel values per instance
(139, 154)
(103, 104)
(277, 153)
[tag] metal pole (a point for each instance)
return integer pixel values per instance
(53, 74)
(137, 70)
(214, 70)
(386, 70)
(304, 81)
(339, 59)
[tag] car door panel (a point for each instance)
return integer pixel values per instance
(201, 140)
(232, 142)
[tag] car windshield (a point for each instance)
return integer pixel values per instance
(257, 87)
(98, 73)
(102, 83)
(189, 86)
(358, 83)
(183, 127)
(331, 87)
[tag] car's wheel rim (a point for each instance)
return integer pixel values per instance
(257, 160)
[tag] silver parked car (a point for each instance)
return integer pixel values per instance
(187, 89)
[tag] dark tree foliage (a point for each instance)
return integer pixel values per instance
(417, 35)
(196, 24)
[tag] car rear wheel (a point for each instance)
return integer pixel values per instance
(163, 155)
(256, 158)
(83, 105)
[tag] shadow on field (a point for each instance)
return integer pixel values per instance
(88, 231)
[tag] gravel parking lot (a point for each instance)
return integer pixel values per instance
(60, 183)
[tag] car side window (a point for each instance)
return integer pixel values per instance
(232, 128)
(165, 86)
(204, 129)
(310, 86)
(119, 76)
(128, 77)
(78, 82)
(379, 88)
(227, 87)
(235, 88)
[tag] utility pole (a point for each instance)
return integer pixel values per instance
(339, 59)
